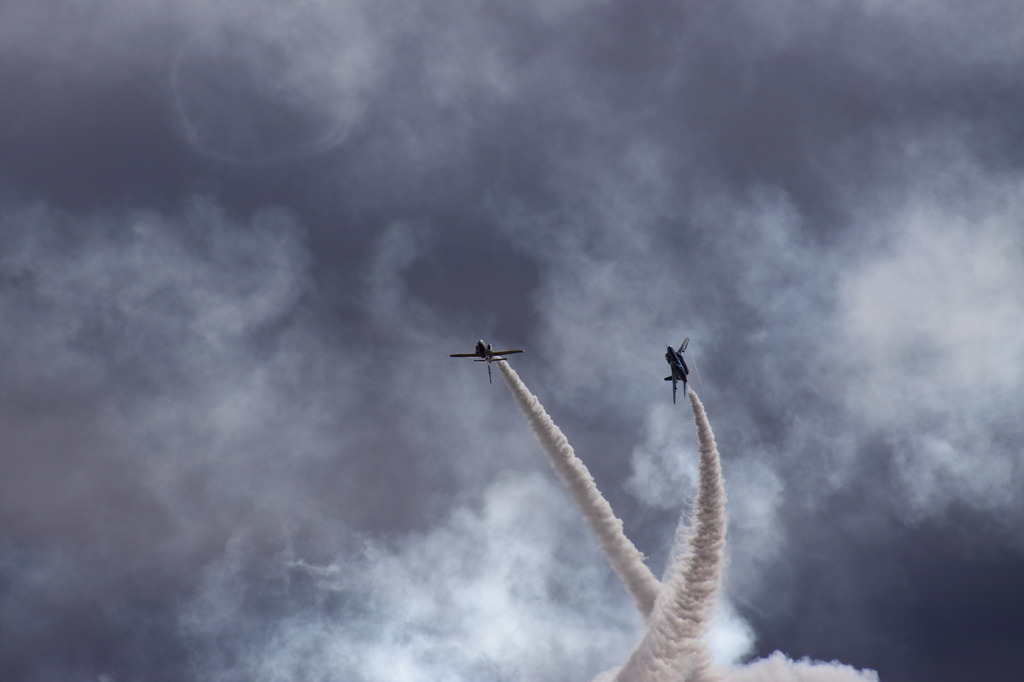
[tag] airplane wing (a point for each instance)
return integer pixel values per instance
(685, 342)
(463, 355)
(505, 352)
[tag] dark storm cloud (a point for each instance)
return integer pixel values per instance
(217, 398)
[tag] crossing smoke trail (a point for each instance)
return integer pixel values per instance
(625, 559)
(672, 648)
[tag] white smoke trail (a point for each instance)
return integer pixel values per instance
(677, 555)
(625, 559)
(672, 648)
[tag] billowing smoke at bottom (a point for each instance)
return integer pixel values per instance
(625, 559)
(673, 647)
(679, 611)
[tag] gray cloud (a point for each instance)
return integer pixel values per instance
(206, 399)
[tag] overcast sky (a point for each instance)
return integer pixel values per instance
(238, 241)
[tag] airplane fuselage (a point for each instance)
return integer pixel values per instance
(678, 364)
(675, 361)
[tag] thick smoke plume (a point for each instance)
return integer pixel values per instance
(673, 646)
(679, 611)
(625, 559)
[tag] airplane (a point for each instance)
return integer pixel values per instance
(484, 353)
(678, 365)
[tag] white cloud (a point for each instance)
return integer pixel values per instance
(929, 344)
(664, 468)
(503, 587)
(778, 668)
